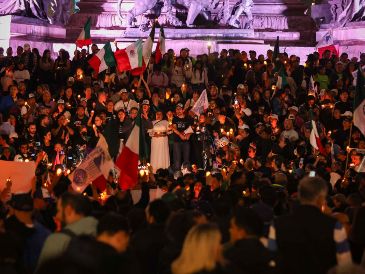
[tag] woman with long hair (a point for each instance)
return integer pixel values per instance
(62, 67)
(200, 252)
(46, 64)
(199, 77)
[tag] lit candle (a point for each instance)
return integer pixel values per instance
(265, 63)
(58, 171)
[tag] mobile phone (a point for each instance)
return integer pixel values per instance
(312, 173)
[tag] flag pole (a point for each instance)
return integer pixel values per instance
(348, 149)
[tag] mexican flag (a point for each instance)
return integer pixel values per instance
(359, 102)
(130, 57)
(127, 161)
(103, 59)
(84, 38)
(314, 139)
(160, 48)
(146, 51)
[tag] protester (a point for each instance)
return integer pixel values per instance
(248, 156)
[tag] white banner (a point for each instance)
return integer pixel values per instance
(21, 175)
(202, 104)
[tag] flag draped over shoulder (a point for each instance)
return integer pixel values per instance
(326, 43)
(127, 59)
(160, 47)
(103, 59)
(201, 104)
(84, 38)
(359, 102)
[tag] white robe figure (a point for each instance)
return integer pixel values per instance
(160, 156)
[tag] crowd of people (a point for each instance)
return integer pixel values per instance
(244, 188)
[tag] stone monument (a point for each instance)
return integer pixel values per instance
(243, 24)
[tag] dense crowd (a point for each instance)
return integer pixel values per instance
(243, 189)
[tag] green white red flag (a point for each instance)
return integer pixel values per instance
(127, 161)
(84, 38)
(103, 59)
(130, 57)
(127, 59)
(161, 47)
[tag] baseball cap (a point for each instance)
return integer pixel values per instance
(179, 105)
(31, 95)
(83, 99)
(274, 116)
(70, 79)
(22, 202)
(240, 86)
(347, 114)
(295, 108)
(60, 101)
(123, 90)
(146, 102)
(244, 126)
(222, 142)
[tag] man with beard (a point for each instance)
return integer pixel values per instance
(72, 212)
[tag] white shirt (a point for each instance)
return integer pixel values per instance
(21, 75)
(126, 105)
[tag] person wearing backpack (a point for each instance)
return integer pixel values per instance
(72, 211)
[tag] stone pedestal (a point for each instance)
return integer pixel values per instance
(271, 18)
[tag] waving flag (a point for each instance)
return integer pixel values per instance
(201, 104)
(127, 161)
(136, 56)
(84, 38)
(97, 163)
(160, 48)
(146, 53)
(130, 57)
(326, 43)
(103, 59)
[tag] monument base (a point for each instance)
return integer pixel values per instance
(45, 36)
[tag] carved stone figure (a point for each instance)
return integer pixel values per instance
(53, 11)
(345, 11)
(242, 7)
(193, 8)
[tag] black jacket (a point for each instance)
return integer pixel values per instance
(248, 256)
(305, 241)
